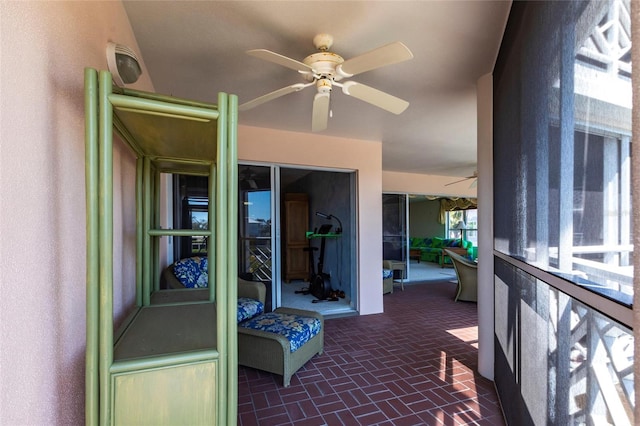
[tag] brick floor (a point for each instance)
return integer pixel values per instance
(415, 364)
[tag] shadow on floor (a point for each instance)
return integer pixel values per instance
(414, 364)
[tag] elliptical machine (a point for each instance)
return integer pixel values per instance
(317, 285)
(312, 272)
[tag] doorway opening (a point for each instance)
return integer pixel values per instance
(412, 223)
(281, 212)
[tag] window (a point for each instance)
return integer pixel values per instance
(190, 212)
(196, 211)
(463, 224)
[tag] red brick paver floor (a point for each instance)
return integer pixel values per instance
(415, 364)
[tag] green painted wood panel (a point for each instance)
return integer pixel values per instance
(182, 395)
(177, 135)
(161, 330)
(171, 364)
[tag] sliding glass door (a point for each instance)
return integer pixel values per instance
(255, 225)
(262, 227)
(395, 231)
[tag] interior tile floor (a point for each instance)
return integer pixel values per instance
(428, 271)
(291, 299)
(418, 272)
(415, 364)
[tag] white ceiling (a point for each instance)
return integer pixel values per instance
(194, 49)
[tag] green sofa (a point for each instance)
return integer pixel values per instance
(431, 247)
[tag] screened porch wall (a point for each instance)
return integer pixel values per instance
(562, 214)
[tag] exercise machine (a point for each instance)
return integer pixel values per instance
(318, 287)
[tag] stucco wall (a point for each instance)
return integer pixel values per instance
(44, 48)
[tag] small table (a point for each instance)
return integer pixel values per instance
(457, 250)
(415, 253)
(397, 265)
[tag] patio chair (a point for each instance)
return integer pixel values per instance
(387, 277)
(467, 273)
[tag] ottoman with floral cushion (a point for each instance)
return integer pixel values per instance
(387, 280)
(281, 341)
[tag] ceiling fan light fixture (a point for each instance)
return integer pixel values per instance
(325, 69)
(323, 85)
(324, 64)
(123, 64)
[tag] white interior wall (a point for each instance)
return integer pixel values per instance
(485, 228)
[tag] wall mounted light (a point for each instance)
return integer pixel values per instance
(123, 64)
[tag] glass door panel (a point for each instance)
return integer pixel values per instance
(256, 234)
(394, 231)
(394, 227)
(255, 225)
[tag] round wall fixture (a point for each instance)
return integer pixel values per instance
(123, 64)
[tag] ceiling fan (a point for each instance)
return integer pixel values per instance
(326, 69)
(249, 176)
(474, 176)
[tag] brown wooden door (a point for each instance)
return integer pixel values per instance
(296, 224)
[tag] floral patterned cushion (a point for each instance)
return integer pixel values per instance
(248, 308)
(296, 328)
(437, 243)
(416, 242)
(387, 273)
(453, 242)
(192, 272)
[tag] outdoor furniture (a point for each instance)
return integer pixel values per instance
(457, 250)
(415, 253)
(387, 278)
(467, 273)
(281, 341)
(395, 265)
(431, 248)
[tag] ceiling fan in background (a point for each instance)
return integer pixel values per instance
(248, 176)
(326, 69)
(474, 176)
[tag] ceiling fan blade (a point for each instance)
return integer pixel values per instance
(375, 97)
(457, 181)
(273, 95)
(320, 116)
(279, 59)
(473, 184)
(382, 56)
